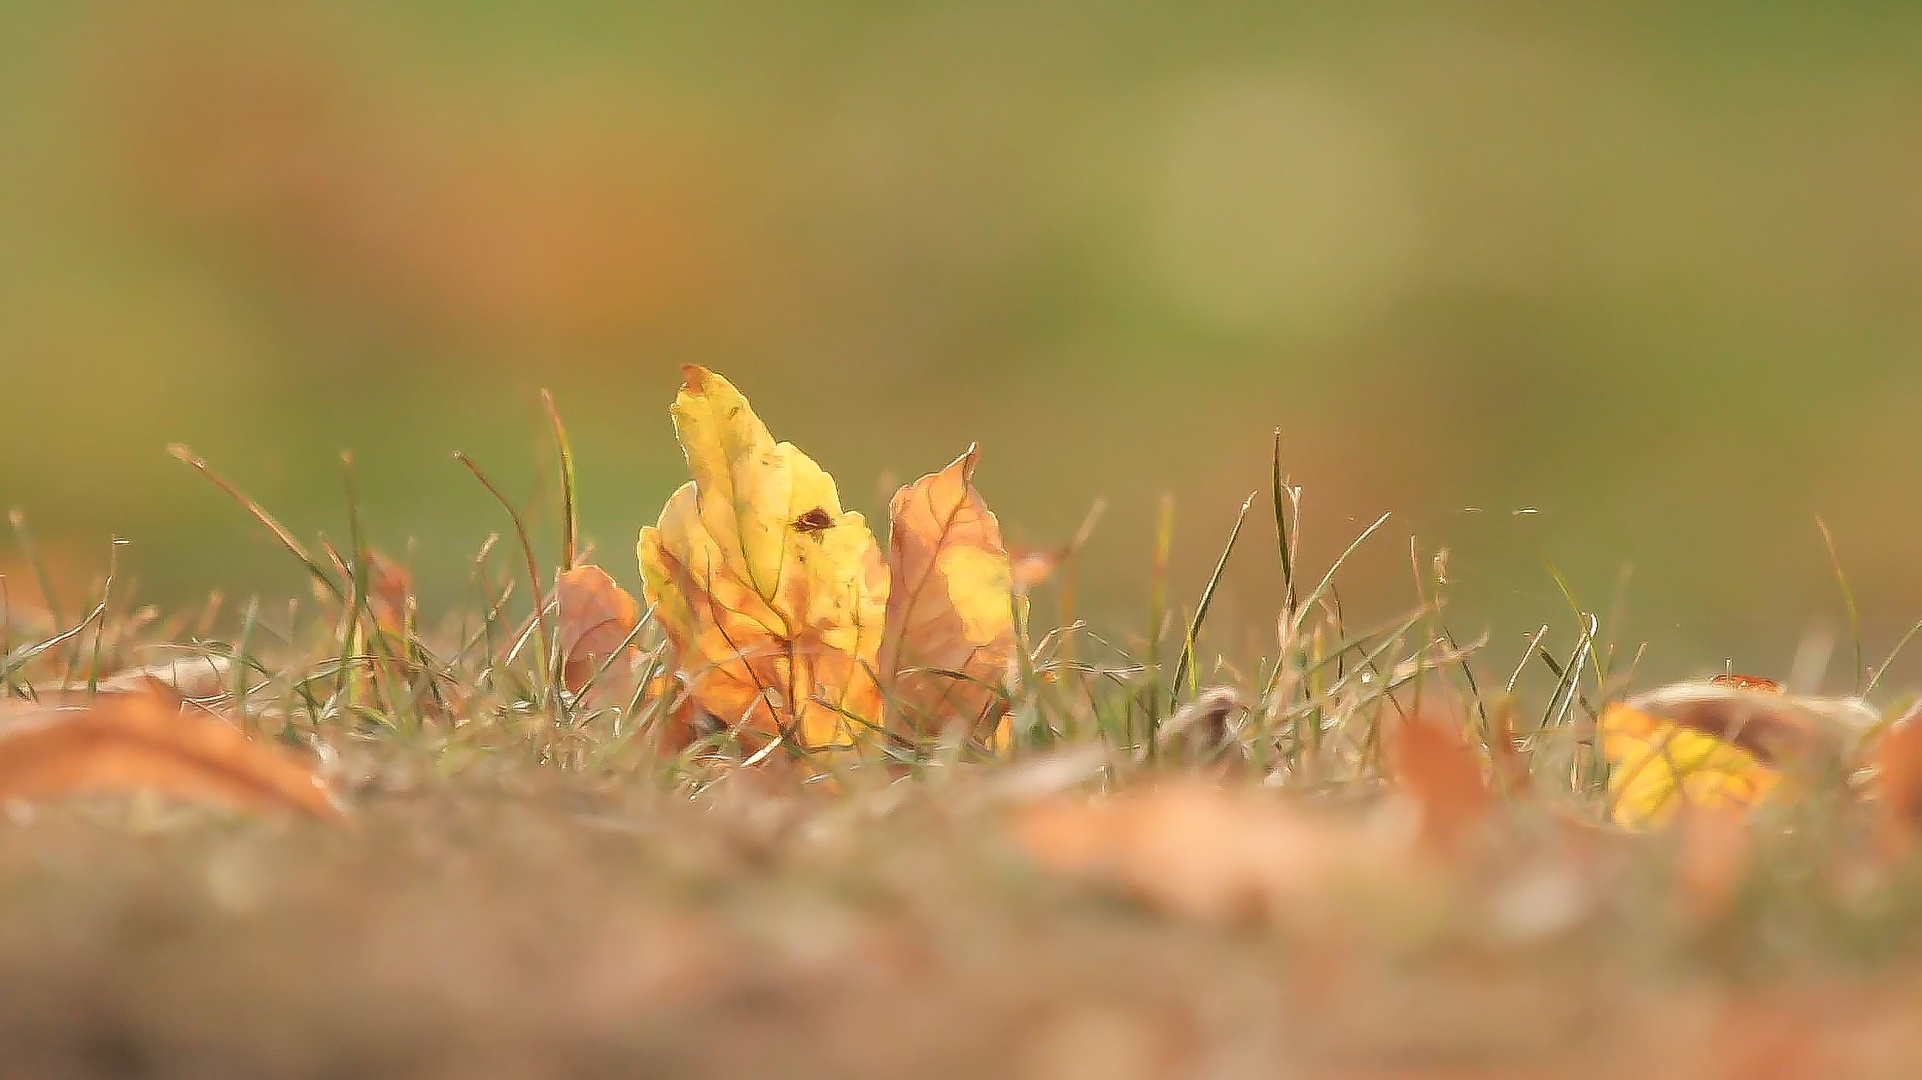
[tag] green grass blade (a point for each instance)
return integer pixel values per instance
(570, 519)
(1184, 666)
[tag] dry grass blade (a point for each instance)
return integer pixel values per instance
(261, 515)
(1848, 601)
(545, 636)
(143, 741)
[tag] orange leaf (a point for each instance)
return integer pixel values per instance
(1437, 766)
(1716, 853)
(1899, 782)
(950, 623)
(597, 618)
(390, 593)
(1214, 854)
(122, 743)
(1031, 566)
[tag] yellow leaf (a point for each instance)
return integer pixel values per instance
(1656, 766)
(1725, 743)
(950, 621)
(771, 594)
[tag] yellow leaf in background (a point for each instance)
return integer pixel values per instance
(1656, 766)
(950, 621)
(1726, 743)
(773, 597)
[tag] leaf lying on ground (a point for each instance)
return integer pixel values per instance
(1717, 744)
(950, 621)
(1898, 760)
(1217, 854)
(390, 591)
(597, 617)
(773, 597)
(1435, 764)
(143, 740)
(198, 676)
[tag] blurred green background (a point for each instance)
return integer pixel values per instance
(1650, 269)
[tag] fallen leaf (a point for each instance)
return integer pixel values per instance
(390, 593)
(597, 617)
(1031, 566)
(1433, 761)
(1716, 851)
(389, 589)
(773, 597)
(1216, 855)
(950, 619)
(199, 676)
(1199, 731)
(1714, 744)
(145, 741)
(1899, 783)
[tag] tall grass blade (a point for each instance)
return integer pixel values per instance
(261, 515)
(1893, 653)
(1848, 601)
(542, 653)
(1284, 532)
(1328, 579)
(1185, 665)
(570, 520)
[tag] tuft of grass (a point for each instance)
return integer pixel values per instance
(528, 854)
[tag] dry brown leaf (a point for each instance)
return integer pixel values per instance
(950, 621)
(144, 741)
(1215, 854)
(1031, 566)
(390, 591)
(597, 617)
(1434, 763)
(1899, 783)
(200, 676)
(1716, 850)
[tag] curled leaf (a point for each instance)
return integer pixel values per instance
(950, 620)
(1717, 744)
(199, 676)
(597, 617)
(772, 596)
(144, 741)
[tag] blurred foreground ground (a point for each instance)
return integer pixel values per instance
(551, 929)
